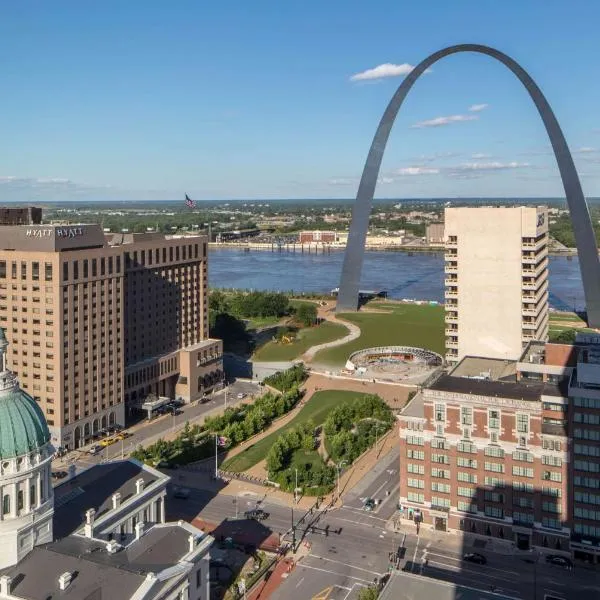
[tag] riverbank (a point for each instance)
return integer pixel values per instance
(319, 248)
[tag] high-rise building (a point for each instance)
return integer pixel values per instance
(97, 323)
(496, 282)
(17, 215)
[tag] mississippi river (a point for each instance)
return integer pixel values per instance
(417, 276)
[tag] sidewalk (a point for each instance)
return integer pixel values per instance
(268, 586)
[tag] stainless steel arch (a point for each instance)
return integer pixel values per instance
(584, 234)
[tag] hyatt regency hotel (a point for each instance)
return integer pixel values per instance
(97, 322)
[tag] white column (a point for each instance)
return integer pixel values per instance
(162, 509)
(27, 499)
(13, 500)
(38, 490)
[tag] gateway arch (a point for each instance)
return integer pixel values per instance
(578, 209)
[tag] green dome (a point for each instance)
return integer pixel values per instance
(23, 427)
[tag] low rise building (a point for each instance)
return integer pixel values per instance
(509, 449)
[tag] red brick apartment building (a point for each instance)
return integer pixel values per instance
(509, 449)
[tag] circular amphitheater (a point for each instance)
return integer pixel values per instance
(393, 363)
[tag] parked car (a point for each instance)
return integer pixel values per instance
(559, 561)
(241, 396)
(476, 558)
(258, 514)
(59, 474)
(94, 449)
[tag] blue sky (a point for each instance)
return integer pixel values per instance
(238, 99)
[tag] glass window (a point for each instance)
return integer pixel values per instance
(65, 271)
(2, 269)
(48, 271)
(6, 504)
(35, 271)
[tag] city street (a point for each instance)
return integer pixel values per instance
(357, 548)
(149, 432)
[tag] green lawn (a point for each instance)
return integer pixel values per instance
(258, 322)
(317, 409)
(564, 316)
(306, 338)
(404, 325)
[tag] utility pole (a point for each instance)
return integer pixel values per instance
(216, 456)
(296, 488)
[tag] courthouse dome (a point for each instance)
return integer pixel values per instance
(23, 427)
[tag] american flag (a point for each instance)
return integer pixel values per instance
(189, 202)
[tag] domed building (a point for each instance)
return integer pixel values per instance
(26, 494)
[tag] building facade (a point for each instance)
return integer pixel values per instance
(98, 323)
(510, 449)
(434, 234)
(16, 215)
(324, 237)
(496, 280)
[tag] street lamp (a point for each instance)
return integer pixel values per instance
(296, 488)
(339, 467)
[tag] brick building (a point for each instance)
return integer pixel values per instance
(323, 237)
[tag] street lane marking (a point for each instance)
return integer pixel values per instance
(467, 573)
(305, 566)
(358, 523)
(300, 582)
(482, 566)
(339, 562)
(414, 560)
(362, 512)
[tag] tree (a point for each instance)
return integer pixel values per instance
(306, 313)
(567, 336)
(368, 593)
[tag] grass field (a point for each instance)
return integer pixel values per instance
(403, 325)
(306, 338)
(317, 409)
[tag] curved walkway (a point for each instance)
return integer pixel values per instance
(354, 332)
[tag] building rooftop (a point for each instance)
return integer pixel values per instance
(500, 389)
(94, 488)
(98, 574)
(485, 368)
(543, 353)
(415, 408)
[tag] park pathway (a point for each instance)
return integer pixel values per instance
(327, 312)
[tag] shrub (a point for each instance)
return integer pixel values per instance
(286, 380)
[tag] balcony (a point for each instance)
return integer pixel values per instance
(451, 267)
(450, 343)
(450, 331)
(451, 293)
(450, 255)
(451, 281)
(450, 318)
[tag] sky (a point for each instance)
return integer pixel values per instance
(267, 99)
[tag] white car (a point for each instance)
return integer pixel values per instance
(94, 450)
(241, 396)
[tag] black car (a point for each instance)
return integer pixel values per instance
(559, 561)
(59, 474)
(476, 558)
(258, 514)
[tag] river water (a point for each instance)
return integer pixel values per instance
(416, 276)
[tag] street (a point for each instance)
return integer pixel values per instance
(149, 432)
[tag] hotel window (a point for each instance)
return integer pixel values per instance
(466, 507)
(494, 511)
(164, 255)
(494, 451)
(522, 423)
(494, 419)
(118, 264)
(48, 271)
(75, 269)
(177, 253)
(171, 254)
(522, 471)
(414, 497)
(85, 268)
(65, 271)
(2, 269)
(466, 415)
(35, 271)
(13, 269)
(23, 270)
(102, 266)
(440, 412)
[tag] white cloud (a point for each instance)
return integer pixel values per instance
(477, 107)
(440, 121)
(384, 70)
(480, 155)
(478, 169)
(342, 181)
(417, 171)
(585, 150)
(386, 180)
